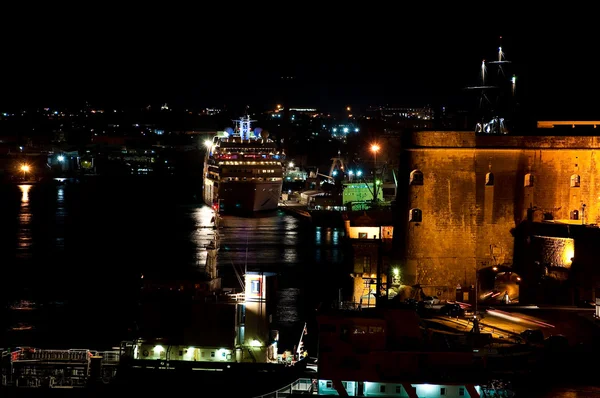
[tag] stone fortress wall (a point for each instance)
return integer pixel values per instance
(461, 196)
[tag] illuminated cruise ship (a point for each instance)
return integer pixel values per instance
(243, 170)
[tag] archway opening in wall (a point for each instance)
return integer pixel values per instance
(575, 181)
(416, 177)
(498, 284)
(574, 215)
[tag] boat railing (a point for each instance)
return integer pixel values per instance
(237, 296)
(300, 386)
(110, 357)
(52, 355)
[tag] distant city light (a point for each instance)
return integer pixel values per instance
(61, 158)
(208, 144)
(359, 173)
(25, 168)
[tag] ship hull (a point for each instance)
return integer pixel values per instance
(243, 196)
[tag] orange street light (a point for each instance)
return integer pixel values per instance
(375, 148)
(24, 168)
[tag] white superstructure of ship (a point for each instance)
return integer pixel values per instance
(243, 170)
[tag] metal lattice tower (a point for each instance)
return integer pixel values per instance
(495, 93)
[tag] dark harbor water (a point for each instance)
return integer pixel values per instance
(79, 250)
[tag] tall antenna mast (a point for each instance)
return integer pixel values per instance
(242, 127)
(492, 97)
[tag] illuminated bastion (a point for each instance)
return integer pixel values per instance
(462, 195)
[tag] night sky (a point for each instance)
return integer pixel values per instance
(333, 64)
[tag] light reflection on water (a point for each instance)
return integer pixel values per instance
(92, 233)
(287, 306)
(275, 241)
(60, 215)
(24, 236)
(204, 233)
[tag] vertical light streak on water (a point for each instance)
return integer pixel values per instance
(203, 233)
(60, 215)
(24, 236)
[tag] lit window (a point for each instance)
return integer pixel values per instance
(528, 180)
(255, 286)
(489, 179)
(574, 215)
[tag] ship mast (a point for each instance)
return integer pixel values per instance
(243, 127)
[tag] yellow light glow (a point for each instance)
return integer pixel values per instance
(255, 343)
(375, 148)
(348, 108)
(25, 168)
(568, 253)
(208, 144)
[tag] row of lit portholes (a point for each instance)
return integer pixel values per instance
(416, 178)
